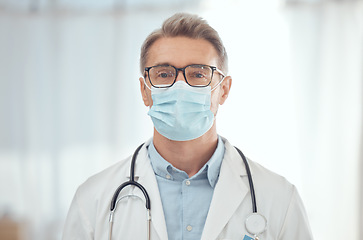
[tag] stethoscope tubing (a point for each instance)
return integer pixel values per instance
(250, 181)
(132, 181)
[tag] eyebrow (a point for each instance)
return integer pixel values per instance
(162, 64)
(168, 64)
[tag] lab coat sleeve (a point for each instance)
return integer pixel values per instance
(296, 225)
(77, 224)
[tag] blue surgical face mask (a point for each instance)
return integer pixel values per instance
(181, 112)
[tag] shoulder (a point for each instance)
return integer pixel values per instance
(99, 188)
(91, 201)
(270, 185)
(276, 198)
(267, 184)
(114, 175)
(260, 174)
(268, 179)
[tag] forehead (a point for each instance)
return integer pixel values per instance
(181, 51)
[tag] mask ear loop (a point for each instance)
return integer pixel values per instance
(218, 84)
(223, 75)
(146, 83)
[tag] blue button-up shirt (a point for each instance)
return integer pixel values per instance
(186, 200)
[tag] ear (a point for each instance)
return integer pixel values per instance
(225, 87)
(144, 92)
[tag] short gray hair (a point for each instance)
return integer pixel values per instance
(186, 25)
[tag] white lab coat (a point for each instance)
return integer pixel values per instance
(276, 199)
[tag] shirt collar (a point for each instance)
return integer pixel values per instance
(210, 170)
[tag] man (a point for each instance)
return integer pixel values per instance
(197, 181)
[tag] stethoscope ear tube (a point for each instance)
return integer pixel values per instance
(250, 181)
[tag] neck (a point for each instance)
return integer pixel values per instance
(189, 156)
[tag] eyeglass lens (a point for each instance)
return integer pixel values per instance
(196, 75)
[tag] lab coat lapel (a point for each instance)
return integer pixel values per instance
(229, 193)
(146, 177)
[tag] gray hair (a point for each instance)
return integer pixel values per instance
(186, 25)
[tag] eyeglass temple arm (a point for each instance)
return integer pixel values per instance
(222, 74)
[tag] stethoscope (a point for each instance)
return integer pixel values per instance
(255, 223)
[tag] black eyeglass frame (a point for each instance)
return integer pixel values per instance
(147, 69)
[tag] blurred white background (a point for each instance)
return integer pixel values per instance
(70, 103)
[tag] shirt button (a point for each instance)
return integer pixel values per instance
(189, 228)
(168, 176)
(187, 182)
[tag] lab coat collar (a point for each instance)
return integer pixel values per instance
(228, 193)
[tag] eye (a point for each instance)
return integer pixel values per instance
(199, 75)
(165, 74)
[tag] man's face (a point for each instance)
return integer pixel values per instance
(180, 52)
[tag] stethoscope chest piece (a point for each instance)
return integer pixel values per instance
(256, 223)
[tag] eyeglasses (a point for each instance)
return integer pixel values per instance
(196, 75)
